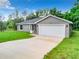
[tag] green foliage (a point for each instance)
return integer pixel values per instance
(73, 16)
(11, 24)
(42, 12)
(31, 16)
(2, 26)
(17, 20)
(55, 12)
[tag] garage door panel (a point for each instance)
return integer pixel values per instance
(52, 30)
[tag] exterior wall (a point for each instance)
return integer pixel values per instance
(51, 20)
(67, 31)
(26, 28)
(70, 29)
(18, 27)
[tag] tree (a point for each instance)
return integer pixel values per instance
(53, 11)
(16, 13)
(24, 14)
(76, 3)
(10, 24)
(17, 21)
(13, 19)
(42, 12)
(56, 12)
(73, 15)
(2, 24)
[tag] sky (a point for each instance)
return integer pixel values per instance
(9, 6)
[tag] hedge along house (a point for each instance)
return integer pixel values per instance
(48, 26)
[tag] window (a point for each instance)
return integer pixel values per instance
(21, 27)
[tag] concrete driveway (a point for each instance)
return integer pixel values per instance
(33, 48)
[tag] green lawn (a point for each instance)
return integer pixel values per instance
(13, 35)
(68, 49)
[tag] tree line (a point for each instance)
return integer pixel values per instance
(71, 15)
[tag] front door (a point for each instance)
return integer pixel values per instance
(34, 29)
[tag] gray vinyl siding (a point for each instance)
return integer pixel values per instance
(18, 27)
(70, 29)
(67, 31)
(52, 20)
(26, 28)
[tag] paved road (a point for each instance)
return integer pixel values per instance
(34, 48)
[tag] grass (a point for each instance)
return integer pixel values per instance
(13, 35)
(68, 49)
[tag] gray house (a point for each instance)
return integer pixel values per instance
(47, 26)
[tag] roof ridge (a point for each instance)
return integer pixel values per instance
(55, 17)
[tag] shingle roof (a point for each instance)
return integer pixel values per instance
(36, 20)
(31, 21)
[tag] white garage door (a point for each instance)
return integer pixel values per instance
(52, 30)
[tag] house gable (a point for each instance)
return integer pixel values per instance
(52, 20)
